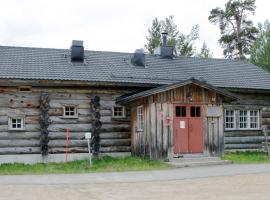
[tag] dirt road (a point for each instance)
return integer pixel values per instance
(220, 182)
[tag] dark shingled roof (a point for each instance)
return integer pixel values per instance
(54, 64)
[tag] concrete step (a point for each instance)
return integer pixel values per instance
(196, 162)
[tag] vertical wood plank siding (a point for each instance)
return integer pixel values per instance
(156, 141)
(114, 134)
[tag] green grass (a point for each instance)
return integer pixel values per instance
(247, 157)
(102, 164)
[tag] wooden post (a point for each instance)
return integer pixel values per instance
(44, 122)
(266, 141)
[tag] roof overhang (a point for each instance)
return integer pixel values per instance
(128, 99)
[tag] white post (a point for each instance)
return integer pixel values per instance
(88, 138)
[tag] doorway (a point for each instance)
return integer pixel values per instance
(188, 129)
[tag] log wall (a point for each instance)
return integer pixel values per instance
(114, 134)
(245, 140)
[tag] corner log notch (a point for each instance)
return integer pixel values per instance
(44, 122)
(96, 124)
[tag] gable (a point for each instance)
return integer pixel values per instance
(187, 91)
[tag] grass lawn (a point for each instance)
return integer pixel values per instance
(102, 164)
(247, 157)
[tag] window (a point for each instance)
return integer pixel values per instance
(25, 88)
(140, 118)
(180, 111)
(70, 112)
(246, 119)
(229, 119)
(195, 111)
(243, 119)
(16, 123)
(119, 112)
(254, 119)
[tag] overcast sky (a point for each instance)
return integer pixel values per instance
(106, 25)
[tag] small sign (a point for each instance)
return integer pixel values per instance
(213, 111)
(182, 124)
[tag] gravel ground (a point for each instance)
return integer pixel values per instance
(216, 182)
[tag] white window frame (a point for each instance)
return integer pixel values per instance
(10, 123)
(119, 116)
(70, 116)
(140, 118)
(234, 120)
(247, 120)
(258, 120)
(238, 121)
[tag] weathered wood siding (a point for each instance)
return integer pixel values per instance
(156, 141)
(115, 134)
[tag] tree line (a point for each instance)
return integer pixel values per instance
(240, 38)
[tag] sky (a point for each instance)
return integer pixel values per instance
(107, 25)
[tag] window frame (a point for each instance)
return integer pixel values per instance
(234, 119)
(75, 116)
(10, 123)
(237, 119)
(123, 112)
(247, 120)
(140, 118)
(258, 121)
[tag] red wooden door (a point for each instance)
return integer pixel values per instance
(188, 129)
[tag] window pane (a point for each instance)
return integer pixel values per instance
(140, 119)
(254, 119)
(180, 111)
(243, 119)
(229, 119)
(195, 111)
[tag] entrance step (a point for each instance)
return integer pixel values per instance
(197, 161)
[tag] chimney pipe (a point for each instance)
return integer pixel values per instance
(164, 38)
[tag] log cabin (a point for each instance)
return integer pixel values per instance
(156, 106)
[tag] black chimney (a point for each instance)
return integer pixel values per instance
(77, 51)
(164, 38)
(164, 50)
(138, 58)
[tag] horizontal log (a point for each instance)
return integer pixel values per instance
(55, 150)
(62, 135)
(115, 128)
(115, 135)
(20, 150)
(19, 111)
(266, 114)
(115, 142)
(86, 96)
(267, 109)
(19, 143)
(71, 143)
(240, 133)
(115, 149)
(71, 127)
(266, 121)
(83, 143)
(80, 135)
(247, 139)
(63, 120)
(243, 146)
(19, 135)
